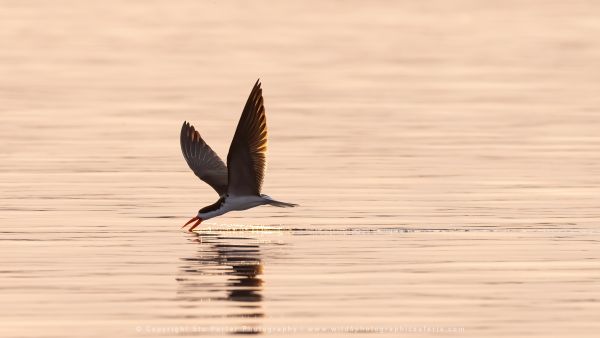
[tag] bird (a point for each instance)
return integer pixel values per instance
(239, 182)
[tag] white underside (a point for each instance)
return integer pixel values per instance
(233, 203)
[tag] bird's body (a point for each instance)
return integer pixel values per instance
(239, 183)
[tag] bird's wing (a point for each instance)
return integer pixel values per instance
(247, 156)
(203, 161)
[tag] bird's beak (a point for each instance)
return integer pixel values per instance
(198, 221)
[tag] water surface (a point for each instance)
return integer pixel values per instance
(445, 157)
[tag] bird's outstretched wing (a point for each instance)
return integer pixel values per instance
(247, 156)
(203, 161)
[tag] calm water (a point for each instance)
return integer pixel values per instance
(446, 156)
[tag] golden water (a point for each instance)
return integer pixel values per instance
(445, 154)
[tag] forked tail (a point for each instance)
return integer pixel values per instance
(279, 204)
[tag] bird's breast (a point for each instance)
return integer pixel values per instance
(242, 202)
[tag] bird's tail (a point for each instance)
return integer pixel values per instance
(279, 204)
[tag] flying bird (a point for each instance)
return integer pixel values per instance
(239, 182)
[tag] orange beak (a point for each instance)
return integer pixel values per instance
(198, 221)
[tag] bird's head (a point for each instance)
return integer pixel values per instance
(206, 213)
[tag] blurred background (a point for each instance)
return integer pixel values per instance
(469, 126)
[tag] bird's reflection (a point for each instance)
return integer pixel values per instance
(223, 269)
